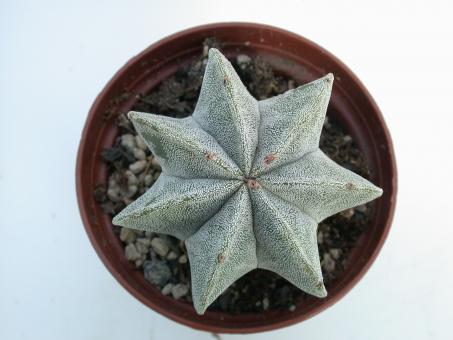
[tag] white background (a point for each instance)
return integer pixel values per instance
(56, 56)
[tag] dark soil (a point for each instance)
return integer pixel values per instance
(258, 290)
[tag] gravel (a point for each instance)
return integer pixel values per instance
(140, 143)
(138, 166)
(167, 289)
(179, 290)
(160, 246)
(143, 245)
(328, 263)
(139, 154)
(183, 259)
(114, 193)
(243, 60)
(155, 164)
(128, 141)
(127, 235)
(148, 179)
(132, 253)
(172, 256)
(348, 213)
(362, 208)
(335, 253)
(157, 272)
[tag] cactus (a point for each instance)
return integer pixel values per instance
(244, 182)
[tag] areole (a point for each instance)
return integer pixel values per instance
(289, 54)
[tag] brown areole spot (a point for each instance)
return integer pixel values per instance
(269, 158)
(252, 183)
(350, 186)
(210, 156)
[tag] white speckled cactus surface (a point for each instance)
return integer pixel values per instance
(244, 183)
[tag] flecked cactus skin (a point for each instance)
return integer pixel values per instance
(244, 183)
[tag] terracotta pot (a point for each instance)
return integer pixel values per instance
(288, 53)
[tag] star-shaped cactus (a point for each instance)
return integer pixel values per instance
(244, 182)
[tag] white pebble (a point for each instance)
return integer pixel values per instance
(127, 201)
(131, 191)
(112, 180)
(139, 154)
(128, 141)
(139, 141)
(131, 178)
(167, 289)
(137, 167)
(362, 208)
(182, 259)
(148, 179)
(159, 246)
(113, 194)
(348, 213)
(144, 241)
(142, 245)
(265, 303)
(155, 164)
(336, 253)
(179, 290)
(320, 237)
(127, 235)
(243, 59)
(131, 252)
(172, 256)
(328, 262)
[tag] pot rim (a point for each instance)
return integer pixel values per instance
(183, 318)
